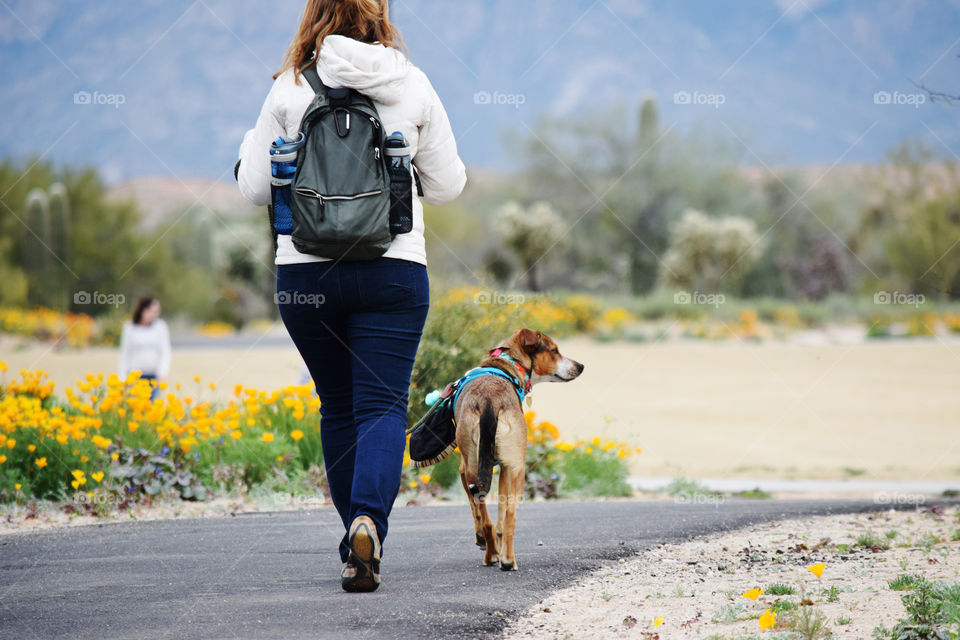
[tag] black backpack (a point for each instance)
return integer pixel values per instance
(340, 196)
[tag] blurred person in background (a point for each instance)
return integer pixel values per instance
(145, 344)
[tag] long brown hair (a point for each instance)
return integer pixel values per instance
(142, 305)
(364, 20)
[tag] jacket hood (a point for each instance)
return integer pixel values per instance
(374, 70)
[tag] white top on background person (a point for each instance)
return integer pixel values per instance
(145, 342)
(405, 101)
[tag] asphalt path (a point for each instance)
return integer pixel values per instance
(276, 575)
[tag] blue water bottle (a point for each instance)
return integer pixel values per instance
(401, 183)
(283, 167)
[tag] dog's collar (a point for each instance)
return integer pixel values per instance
(525, 378)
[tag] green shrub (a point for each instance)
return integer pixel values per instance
(587, 470)
(687, 489)
(930, 610)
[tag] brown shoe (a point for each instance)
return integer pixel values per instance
(362, 571)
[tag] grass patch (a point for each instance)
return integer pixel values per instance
(780, 589)
(870, 540)
(842, 621)
(783, 605)
(904, 582)
(735, 612)
(755, 494)
(809, 622)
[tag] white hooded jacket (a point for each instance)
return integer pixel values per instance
(406, 102)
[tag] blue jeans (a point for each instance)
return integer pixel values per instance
(357, 326)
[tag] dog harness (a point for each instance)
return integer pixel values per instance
(432, 438)
(522, 386)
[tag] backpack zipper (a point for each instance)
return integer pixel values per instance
(310, 193)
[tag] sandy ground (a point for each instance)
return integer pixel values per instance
(879, 410)
(694, 590)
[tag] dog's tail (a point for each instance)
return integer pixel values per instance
(488, 437)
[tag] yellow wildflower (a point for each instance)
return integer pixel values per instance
(767, 620)
(267, 437)
(296, 434)
(41, 462)
(753, 594)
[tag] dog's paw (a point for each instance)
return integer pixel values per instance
(509, 566)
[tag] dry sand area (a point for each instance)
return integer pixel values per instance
(696, 589)
(886, 410)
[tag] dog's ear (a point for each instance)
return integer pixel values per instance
(530, 339)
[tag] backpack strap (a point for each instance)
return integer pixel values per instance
(337, 97)
(310, 73)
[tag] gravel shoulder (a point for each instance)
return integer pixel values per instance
(695, 589)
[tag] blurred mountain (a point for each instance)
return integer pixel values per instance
(162, 199)
(168, 87)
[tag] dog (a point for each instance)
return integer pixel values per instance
(491, 427)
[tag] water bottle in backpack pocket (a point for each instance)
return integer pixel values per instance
(401, 183)
(283, 167)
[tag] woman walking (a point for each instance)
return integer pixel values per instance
(358, 324)
(145, 344)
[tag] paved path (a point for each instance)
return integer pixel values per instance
(276, 575)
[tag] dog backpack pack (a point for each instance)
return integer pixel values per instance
(341, 192)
